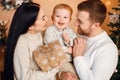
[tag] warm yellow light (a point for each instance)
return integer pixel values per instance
(108, 3)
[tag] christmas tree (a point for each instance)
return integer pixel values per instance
(114, 25)
(12, 4)
(2, 32)
(116, 75)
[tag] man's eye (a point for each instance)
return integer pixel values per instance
(79, 21)
(57, 16)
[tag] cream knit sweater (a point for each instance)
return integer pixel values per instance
(25, 67)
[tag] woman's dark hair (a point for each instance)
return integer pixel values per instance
(24, 17)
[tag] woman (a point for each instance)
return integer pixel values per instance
(23, 38)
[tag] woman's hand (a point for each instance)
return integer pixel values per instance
(68, 76)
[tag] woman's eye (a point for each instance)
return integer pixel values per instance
(43, 19)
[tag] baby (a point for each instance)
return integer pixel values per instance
(61, 31)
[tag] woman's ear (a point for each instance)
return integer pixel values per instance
(31, 27)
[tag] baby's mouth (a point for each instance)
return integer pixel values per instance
(60, 23)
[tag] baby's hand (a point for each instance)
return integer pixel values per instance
(69, 50)
(66, 37)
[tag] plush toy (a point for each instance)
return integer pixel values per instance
(50, 55)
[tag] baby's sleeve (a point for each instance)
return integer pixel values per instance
(49, 36)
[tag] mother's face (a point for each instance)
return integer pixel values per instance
(40, 23)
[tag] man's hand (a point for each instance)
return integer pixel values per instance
(79, 47)
(68, 76)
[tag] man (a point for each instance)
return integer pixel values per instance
(95, 55)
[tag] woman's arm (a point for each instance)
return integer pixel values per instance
(22, 64)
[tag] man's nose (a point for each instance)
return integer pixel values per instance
(76, 23)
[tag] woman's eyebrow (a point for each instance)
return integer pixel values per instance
(43, 16)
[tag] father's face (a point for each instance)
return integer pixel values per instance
(83, 23)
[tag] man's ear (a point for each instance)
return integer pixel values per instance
(97, 24)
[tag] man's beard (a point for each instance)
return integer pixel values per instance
(80, 32)
(84, 32)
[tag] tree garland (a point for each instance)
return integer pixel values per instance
(12, 4)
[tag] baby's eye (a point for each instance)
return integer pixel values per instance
(65, 17)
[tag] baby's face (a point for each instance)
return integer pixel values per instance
(61, 18)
